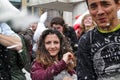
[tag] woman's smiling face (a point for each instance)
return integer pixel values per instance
(52, 44)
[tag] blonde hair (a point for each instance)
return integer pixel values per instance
(83, 25)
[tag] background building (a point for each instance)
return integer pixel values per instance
(16, 3)
(68, 9)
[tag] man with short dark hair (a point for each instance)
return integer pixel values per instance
(98, 53)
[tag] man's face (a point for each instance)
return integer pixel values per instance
(104, 12)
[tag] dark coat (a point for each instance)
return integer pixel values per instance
(72, 38)
(28, 39)
(98, 55)
(12, 63)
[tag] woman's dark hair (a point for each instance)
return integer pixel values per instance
(116, 1)
(43, 55)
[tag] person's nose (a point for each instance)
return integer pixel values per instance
(52, 45)
(100, 11)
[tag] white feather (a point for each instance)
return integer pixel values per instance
(20, 19)
(118, 14)
(7, 10)
(41, 27)
(43, 17)
(27, 74)
(34, 47)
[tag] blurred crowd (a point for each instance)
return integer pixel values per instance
(89, 50)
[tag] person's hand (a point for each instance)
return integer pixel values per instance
(67, 57)
(67, 78)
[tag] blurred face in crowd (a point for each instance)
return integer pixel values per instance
(58, 27)
(34, 26)
(52, 44)
(88, 21)
(103, 12)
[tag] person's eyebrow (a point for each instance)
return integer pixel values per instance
(92, 5)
